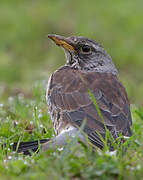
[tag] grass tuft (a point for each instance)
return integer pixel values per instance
(18, 115)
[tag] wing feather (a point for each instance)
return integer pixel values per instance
(68, 93)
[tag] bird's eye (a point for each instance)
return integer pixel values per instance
(85, 49)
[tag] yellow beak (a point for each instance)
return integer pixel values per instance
(62, 41)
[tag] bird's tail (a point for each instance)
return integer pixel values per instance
(28, 147)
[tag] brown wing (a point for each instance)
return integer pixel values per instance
(69, 103)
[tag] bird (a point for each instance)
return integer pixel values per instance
(88, 76)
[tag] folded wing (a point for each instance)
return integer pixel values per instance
(70, 103)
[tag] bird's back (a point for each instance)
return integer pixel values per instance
(70, 104)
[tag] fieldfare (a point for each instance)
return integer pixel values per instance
(89, 73)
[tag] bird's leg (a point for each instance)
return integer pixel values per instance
(63, 138)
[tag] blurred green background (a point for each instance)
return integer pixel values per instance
(27, 56)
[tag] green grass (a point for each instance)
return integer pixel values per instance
(20, 114)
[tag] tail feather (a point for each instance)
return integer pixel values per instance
(28, 147)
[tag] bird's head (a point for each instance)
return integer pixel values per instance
(85, 54)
